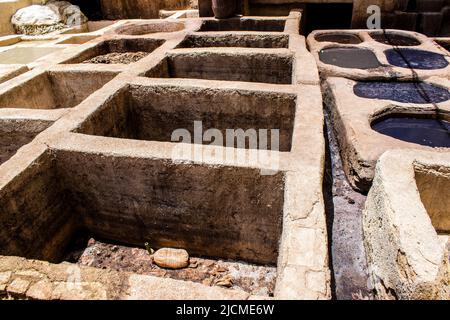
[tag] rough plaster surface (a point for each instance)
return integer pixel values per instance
(407, 257)
(129, 180)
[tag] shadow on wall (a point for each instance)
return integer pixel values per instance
(127, 9)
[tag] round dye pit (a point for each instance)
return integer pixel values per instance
(423, 131)
(395, 39)
(353, 58)
(417, 59)
(344, 38)
(406, 92)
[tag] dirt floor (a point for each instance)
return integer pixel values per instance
(258, 280)
(118, 58)
(344, 214)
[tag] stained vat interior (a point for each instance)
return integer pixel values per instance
(212, 211)
(117, 46)
(344, 38)
(416, 59)
(243, 24)
(236, 40)
(15, 133)
(55, 89)
(395, 39)
(426, 129)
(155, 112)
(433, 183)
(353, 58)
(406, 92)
(142, 28)
(226, 66)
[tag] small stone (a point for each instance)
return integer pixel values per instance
(41, 290)
(171, 258)
(226, 281)
(18, 286)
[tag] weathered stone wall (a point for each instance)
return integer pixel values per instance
(134, 9)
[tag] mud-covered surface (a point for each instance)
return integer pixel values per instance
(258, 280)
(118, 58)
(344, 219)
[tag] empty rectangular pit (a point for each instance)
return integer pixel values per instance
(236, 24)
(228, 65)
(154, 112)
(236, 40)
(109, 47)
(212, 211)
(55, 89)
(17, 133)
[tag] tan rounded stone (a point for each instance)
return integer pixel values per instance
(171, 258)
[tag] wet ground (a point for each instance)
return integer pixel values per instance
(254, 279)
(344, 219)
(116, 57)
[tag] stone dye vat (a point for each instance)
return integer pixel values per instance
(416, 59)
(244, 24)
(77, 190)
(236, 40)
(366, 128)
(424, 131)
(53, 89)
(353, 58)
(407, 92)
(395, 39)
(110, 51)
(230, 64)
(154, 112)
(14, 133)
(344, 38)
(406, 225)
(143, 28)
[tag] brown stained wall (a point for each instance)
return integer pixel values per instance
(36, 219)
(219, 212)
(16, 133)
(267, 68)
(230, 40)
(53, 90)
(434, 188)
(153, 113)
